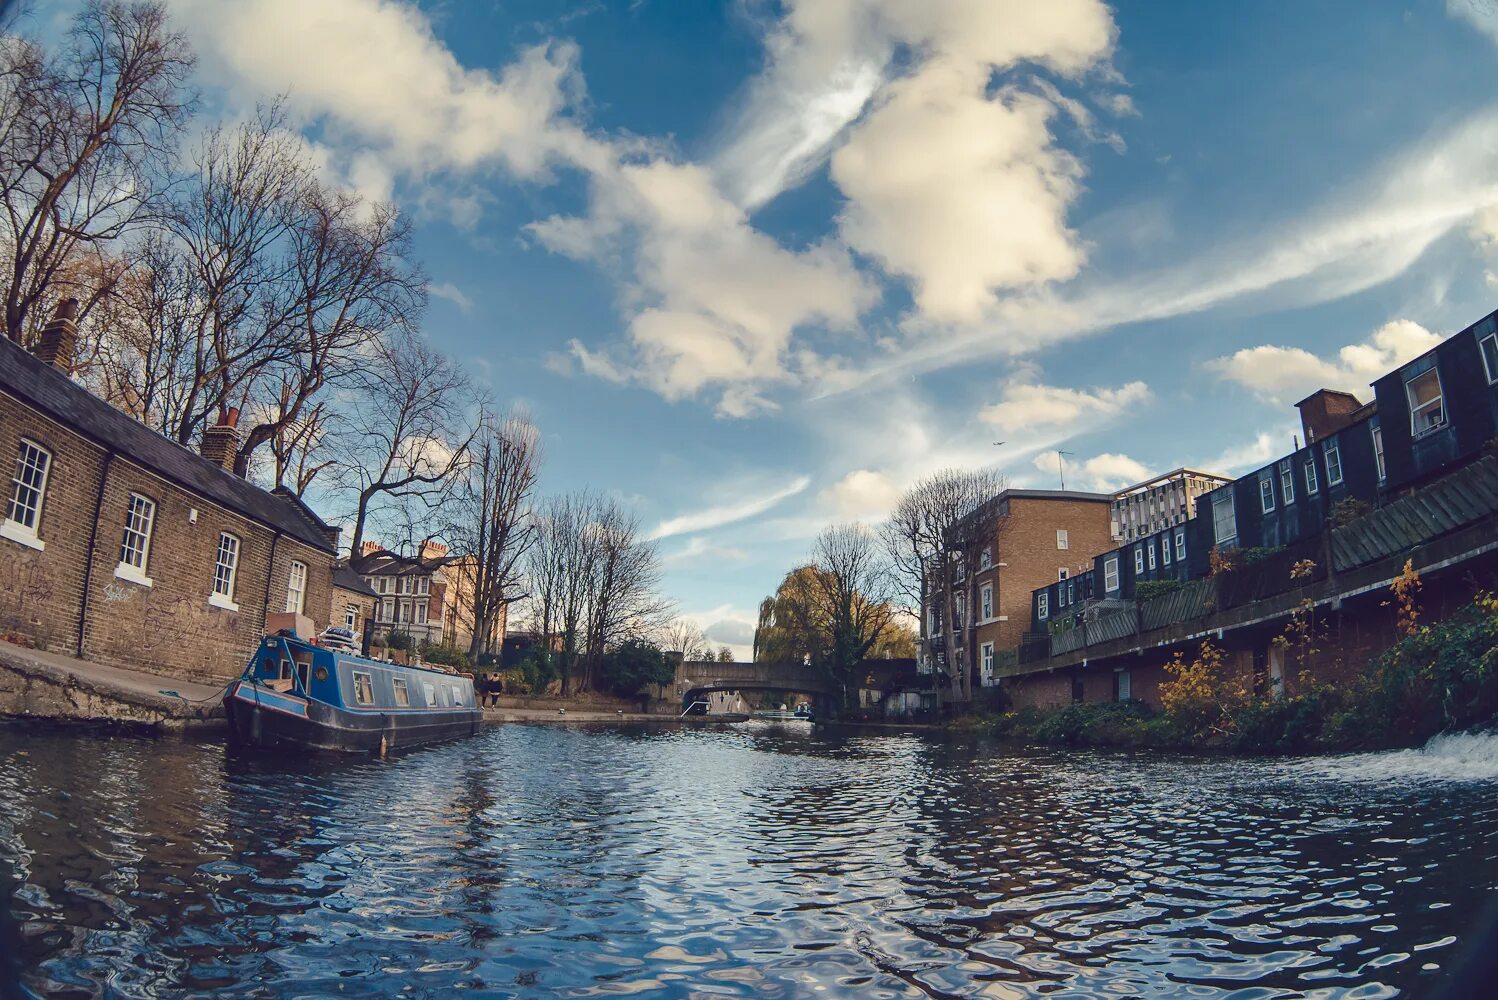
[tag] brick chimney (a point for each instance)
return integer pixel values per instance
(433, 550)
(369, 548)
(1326, 411)
(221, 442)
(60, 337)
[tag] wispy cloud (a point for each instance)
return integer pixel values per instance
(452, 293)
(717, 516)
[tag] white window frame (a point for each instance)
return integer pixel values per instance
(1061, 572)
(1488, 348)
(351, 617)
(424, 585)
(1063, 540)
(402, 692)
(296, 587)
(419, 610)
(1181, 545)
(985, 558)
(1266, 494)
(1224, 501)
(225, 571)
(1138, 559)
(1165, 549)
(386, 611)
(1287, 481)
(1149, 547)
(986, 661)
(369, 686)
(1377, 433)
(1110, 574)
(27, 531)
(403, 612)
(1311, 485)
(986, 602)
(1438, 403)
(1333, 456)
(457, 695)
(430, 690)
(1043, 606)
(135, 543)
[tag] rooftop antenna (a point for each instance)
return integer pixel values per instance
(1061, 466)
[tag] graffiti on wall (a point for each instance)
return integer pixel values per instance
(25, 589)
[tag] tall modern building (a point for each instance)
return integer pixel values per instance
(1161, 502)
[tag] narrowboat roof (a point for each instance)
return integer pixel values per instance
(307, 643)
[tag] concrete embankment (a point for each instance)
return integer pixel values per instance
(41, 685)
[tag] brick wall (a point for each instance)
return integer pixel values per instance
(342, 599)
(169, 626)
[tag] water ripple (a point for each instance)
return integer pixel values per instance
(761, 862)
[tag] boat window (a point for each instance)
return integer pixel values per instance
(303, 668)
(402, 694)
(458, 696)
(363, 688)
(430, 690)
(321, 673)
(285, 670)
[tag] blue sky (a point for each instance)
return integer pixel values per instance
(755, 266)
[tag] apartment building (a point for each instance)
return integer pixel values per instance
(1160, 503)
(1016, 542)
(123, 547)
(411, 592)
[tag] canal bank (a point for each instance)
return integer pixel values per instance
(41, 685)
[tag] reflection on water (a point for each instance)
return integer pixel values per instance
(764, 861)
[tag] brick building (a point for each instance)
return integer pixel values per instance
(123, 547)
(1018, 541)
(412, 593)
(353, 600)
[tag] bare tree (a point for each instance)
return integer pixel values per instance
(489, 524)
(402, 441)
(921, 539)
(684, 636)
(85, 139)
(854, 589)
(593, 583)
(300, 448)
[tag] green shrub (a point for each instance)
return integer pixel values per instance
(399, 640)
(444, 655)
(1148, 590)
(1257, 553)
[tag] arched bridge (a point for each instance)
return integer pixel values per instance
(698, 677)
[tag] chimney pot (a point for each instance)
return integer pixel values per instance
(60, 337)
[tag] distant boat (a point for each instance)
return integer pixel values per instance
(300, 695)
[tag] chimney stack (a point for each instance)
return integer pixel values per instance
(370, 548)
(60, 337)
(221, 442)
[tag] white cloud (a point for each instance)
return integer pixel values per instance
(862, 495)
(1478, 13)
(714, 302)
(1264, 448)
(452, 293)
(700, 550)
(1104, 473)
(717, 516)
(1027, 405)
(391, 97)
(1288, 374)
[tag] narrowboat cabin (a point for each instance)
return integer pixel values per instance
(300, 695)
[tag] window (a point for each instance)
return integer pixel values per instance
(1311, 476)
(402, 693)
(135, 548)
(959, 614)
(1489, 349)
(387, 610)
(1151, 547)
(1181, 545)
(1124, 685)
(1287, 482)
(421, 612)
(296, 588)
(1266, 494)
(457, 696)
(404, 585)
(351, 617)
(1165, 549)
(1378, 451)
(1333, 462)
(1061, 573)
(1043, 607)
(384, 584)
(987, 661)
(985, 558)
(424, 585)
(363, 688)
(987, 603)
(405, 612)
(23, 515)
(430, 690)
(1110, 574)
(1224, 520)
(225, 567)
(1426, 411)
(1139, 559)
(1061, 540)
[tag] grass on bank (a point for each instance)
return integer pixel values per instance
(1438, 677)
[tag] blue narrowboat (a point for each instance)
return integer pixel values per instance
(299, 695)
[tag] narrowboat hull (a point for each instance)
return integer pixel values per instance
(268, 720)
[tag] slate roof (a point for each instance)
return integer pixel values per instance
(52, 393)
(345, 578)
(1468, 495)
(387, 563)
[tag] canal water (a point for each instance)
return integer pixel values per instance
(762, 860)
